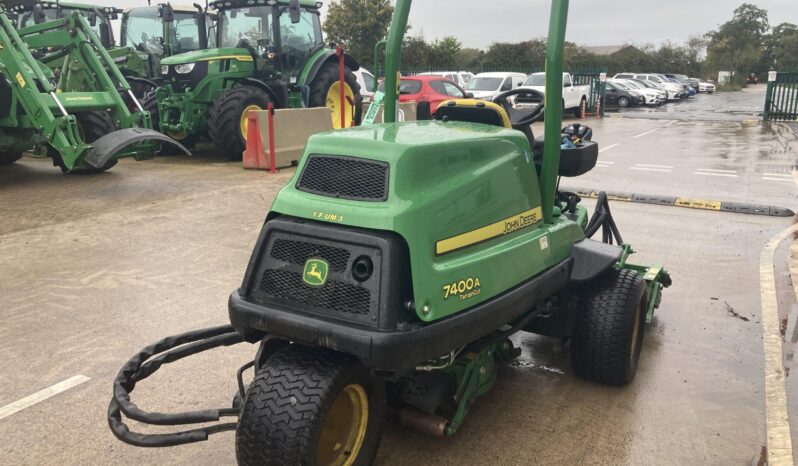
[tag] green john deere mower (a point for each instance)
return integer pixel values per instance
(82, 127)
(267, 52)
(394, 267)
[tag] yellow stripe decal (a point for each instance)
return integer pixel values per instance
(229, 57)
(494, 230)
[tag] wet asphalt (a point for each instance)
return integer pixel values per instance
(96, 267)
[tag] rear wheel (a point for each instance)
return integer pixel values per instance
(7, 158)
(623, 102)
(325, 91)
(608, 333)
(227, 119)
(311, 406)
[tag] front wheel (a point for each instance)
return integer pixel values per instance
(623, 102)
(311, 406)
(608, 333)
(227, 119)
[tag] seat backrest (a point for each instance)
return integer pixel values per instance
(474, 111)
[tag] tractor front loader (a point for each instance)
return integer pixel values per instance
(83, 128)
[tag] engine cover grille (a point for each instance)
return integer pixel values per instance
(345, 178)
(335, 295)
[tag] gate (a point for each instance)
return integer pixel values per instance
(596, 78)
(781, 100)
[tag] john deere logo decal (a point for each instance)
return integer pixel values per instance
(315, 273)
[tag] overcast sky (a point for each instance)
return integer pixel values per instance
(478, 23)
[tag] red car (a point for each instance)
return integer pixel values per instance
(433, 89)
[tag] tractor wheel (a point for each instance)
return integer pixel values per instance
(325, 91)
(7, 158)
(227, 119)
(311, 406)
(91, 126)
(608, 333)
(150, 104)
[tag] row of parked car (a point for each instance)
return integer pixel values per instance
(622, 90)
(627, 89)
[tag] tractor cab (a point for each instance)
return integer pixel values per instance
(29, 13)
(165, 30)
(279, 37)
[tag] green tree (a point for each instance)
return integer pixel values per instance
(782, 47)
(443, 52)
(416, 54)
(359, 25)
(524, 56)
(738, 44)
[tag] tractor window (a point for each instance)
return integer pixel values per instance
(249, 24)
(142, 29)
(298, 40)
(185, 33)
(51, 14)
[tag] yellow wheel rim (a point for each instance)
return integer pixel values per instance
(344, 427)
(334, 104)
(245, 120)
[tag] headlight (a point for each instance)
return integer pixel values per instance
(184, 69)
(164, 69)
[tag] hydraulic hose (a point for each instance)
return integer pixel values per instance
(602, 218)
(144, 364)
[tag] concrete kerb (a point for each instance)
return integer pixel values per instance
(690, 203)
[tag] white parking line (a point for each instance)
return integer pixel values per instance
(608, 147)
(766, 178)
(778, 175)
(714, 170)
(647, 132)
(715, 174)
(608, 162)
(647, 169)
(41, 395)
(653, 166)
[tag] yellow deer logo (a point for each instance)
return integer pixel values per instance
(315, 273)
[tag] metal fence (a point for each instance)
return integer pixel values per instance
(781, 100)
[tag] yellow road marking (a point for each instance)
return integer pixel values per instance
(777, 416)
(494, 230)
(697, 203)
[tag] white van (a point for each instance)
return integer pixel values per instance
(460, 78)
(486, 86)
(366, 81)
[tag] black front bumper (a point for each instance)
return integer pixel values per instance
(401, 348)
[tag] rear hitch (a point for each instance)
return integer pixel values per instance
(141, 366)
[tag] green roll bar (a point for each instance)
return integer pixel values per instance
(552, 115)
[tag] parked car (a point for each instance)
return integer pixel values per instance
(459, 77)
(675, 91)
(752, 79)
(367, 82)
(428, 88)
(692, 82)
(486, 86)
(616, 96)
(687, 91)
(704, 86)
(649, 96)
(572, 95)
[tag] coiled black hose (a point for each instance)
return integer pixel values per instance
(602, 218)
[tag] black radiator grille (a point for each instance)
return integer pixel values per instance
(297, 252)
(334, 295)
(345, 177)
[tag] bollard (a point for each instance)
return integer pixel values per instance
(253, 156)
(584, 110)
(272, 156)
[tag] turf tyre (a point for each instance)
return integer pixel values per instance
(287, 403)
(608, 332)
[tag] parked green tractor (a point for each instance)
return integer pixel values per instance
(393, 269)
(157, 31)
(83, 128)
(268, 52)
